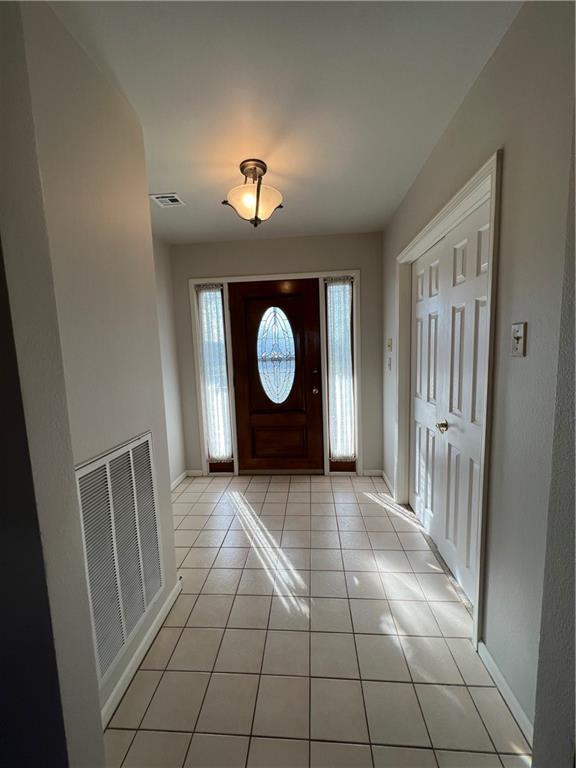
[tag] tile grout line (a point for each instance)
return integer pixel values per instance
(365, 708)
(137, 729)
(316, 677)
(451, 750)
(399, 636)
(417, 697)
(251, 734)
(465, 603)
(173, 651)
(162, 672)
(309, 598)
(443, 637)
(211, 672)
(443, 564)
(311, 572)
(310, 670)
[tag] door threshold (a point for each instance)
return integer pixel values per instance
(287, 472)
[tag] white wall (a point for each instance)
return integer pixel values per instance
(33, 307)
(523, 102)
(91, 161)
(554, 727)
(389, 359)
(168, 349)
(300, 255)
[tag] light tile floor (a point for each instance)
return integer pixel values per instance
(316, 628)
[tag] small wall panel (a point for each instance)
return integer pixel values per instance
(279, 442)
(419, 357)
(434, 279)
(420, 286)
(432, 377)
(456, 359)
(418, 459)
(459, 263)
(430, 471)
(452, 494)
(482, 249)
(472, 513)
(479, 354)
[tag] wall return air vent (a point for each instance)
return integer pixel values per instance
(120, 529)
(168, 200)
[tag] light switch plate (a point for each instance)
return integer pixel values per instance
(389, 345)
(518, 340)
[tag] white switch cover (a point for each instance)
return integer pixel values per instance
(389, 363)
(389, 345)
(518, 340)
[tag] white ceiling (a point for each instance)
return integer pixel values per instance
(343, 100)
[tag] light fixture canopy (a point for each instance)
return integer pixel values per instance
(253, 201)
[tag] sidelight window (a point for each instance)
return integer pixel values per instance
(214, 373)
(341, 396)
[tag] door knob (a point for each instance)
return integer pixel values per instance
(442, 426)
(315, 390)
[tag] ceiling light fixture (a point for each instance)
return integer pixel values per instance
(253, 201)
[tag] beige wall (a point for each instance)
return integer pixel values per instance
(554, 726)
(523, 102)
(168, 349)
(40, 366)
(90, 157)
(299, 255)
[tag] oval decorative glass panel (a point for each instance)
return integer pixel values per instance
(275, 353)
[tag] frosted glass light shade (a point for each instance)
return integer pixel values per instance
(243, 199)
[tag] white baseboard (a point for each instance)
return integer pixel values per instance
(522, 719)
(122, 684)
(184, 475)
(388, 483)
(372, 473)
(178, 480)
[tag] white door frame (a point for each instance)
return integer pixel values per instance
(225, 281)
(483, 186)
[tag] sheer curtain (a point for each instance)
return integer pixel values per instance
(214, 374)
(340, 369)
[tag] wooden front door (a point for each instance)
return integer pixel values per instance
(277, 378)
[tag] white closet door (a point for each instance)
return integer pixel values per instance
(449, 376)
(425, 382)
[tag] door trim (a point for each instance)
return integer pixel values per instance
(484, 185)
(225, 281)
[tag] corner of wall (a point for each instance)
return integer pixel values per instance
(169, 357)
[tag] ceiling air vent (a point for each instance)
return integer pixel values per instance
(168, 200)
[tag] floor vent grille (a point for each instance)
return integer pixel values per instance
(120, 529)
